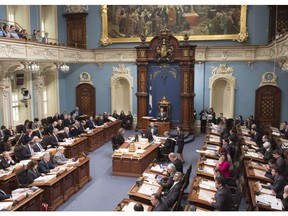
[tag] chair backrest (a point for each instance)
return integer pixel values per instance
(49, 120)
(19, 128)
(44, 122)
(21, 177)
(187, 177)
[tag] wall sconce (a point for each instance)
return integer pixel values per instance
(64, 67)
(33, 67)
(250, 64)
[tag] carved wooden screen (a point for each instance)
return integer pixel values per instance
(268, 106)
(76, 30)
(166, 49)
(86, 99)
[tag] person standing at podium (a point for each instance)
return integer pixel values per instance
(152, 131)
(162, 116)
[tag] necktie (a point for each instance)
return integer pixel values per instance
(39, 146)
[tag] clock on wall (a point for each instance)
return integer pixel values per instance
(269, 78)
(85, 77)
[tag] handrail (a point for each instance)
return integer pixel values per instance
(7, 21)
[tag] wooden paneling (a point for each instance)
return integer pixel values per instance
(86, 99)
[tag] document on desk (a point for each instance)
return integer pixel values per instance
(130, 207)
(212, 147)
(45, 178)
(38, 155)
(269, 200)
(5, 205)
(210, 162)
(206, 195)
(266, 191)
(4, 173)
(148, 189)
(24, 162)
(140, 151)
(208, 184)
(157, 168)
(259, 173)
(209, 170)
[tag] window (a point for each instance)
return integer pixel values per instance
(15, 107)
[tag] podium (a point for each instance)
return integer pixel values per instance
(162, 126)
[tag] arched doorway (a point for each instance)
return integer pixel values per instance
(222, 85)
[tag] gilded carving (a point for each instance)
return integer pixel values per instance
(185, 82)
(185, 53)
(164, 50)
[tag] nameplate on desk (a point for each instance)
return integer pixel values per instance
(44, 178)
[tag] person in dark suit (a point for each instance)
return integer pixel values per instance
(167, 182)
(285, 198)
(45, 164)
(81, 128)
(27, 137)
(280, 163)
(162, 116)
(51, 127)
(67, 120)
(60, 126)
(122, 117)
(180, 142)
(176, 161)
(203, 117)
(3, 195)
(174, 191)
(19, 152)
(152, 131)
(129, 120)
(39, 133)
(100, 120)
(90, 123)
(28, 150)
(6, 160)
(158, 204)
(37, 147)
(32, 172)
(279, 182)
(256, 137)
(115, 115)
(65, 135)
(76, 112)
(169, 144)
(119, 138)
(222, 199)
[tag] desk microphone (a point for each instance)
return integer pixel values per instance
(84, 154)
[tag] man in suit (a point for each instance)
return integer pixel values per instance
(37, 147)
(3, 195)
(162, 116)
(65, 135)
(90, 123)
(285, 198)
(222, 199)
(256, 137)
(176, 161)
(167, 182)
(28, 150)
(152, 131)
(45, 38)
(76, 112)
(60, 125)
(173, 193)
(81, 128)
(138, 207)
(54, 139)
(279, 182)
(39, 133)
(158, 204)
(59, 158)
(67, 120)
(6, 160)
(45, 165)
(280, 163)
(51, 127)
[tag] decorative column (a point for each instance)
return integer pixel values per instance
(5, 100)
(38, 86)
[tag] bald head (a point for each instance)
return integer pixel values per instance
(172, 156)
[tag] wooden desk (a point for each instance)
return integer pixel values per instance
(204, 171)
(111, 130)
(209, 153)
(145, 121)
(8, 183)
(75, 149)
(140, 197)
(125, 202)
(199, 209)
(82, 173)
(213, 139)
(254, 189)
(31, 203)
(256, 174)
(95, 139)
(195, 198)
(251, 155)
(128, 165)
(162, 127)
(57, 191)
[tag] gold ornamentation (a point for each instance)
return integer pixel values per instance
(185, 53)
(164, 101)
(164, 50)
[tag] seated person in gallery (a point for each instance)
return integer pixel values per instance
(162, 116)
(115, 115)
(129, 120)
(76, 112)
(152, 131)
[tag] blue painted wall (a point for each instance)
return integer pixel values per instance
(3, 14)
(247, 81)
(101, 80)
(34, 17)
(62, 26)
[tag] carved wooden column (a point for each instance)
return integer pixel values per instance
(141, 94)
(5, 100)
(39, 84)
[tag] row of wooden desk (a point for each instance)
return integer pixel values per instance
(58, 190)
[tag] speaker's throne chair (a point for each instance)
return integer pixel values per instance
(165, 104)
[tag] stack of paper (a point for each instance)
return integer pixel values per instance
(24, 162)
(212, 147)
(208, 184)
(157, 168)
(210, 162)
(5, 205)
(259, 173)
(269, 200)
(140, 151)
(206, 195)
(148, 189)
(209, 170)
(45, 178)
(4, 173)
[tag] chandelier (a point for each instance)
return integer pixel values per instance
(64, 68)
(33, 67)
